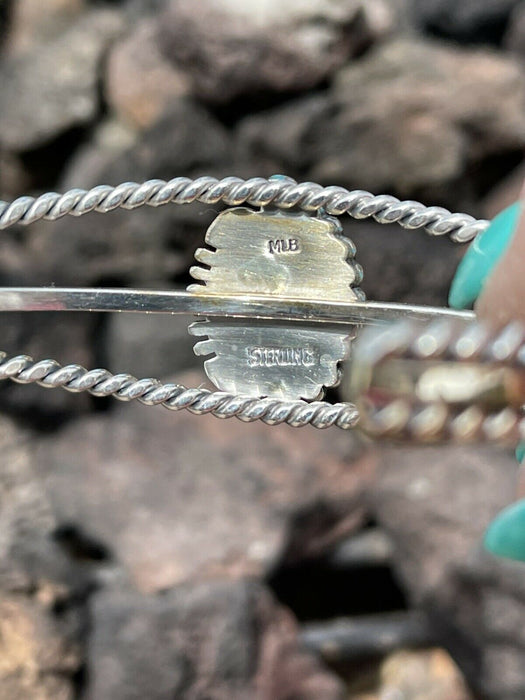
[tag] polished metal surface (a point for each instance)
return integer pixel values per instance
(202, 304)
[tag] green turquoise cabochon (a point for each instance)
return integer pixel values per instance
(505, 536)
(483, 254)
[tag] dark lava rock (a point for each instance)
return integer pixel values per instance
(65, 337)
(403, 266)
(149, 345)
(229, 49)
(177, 497)
(219, 640)
(409, 118)
(41, 593)
(469, 21)
(54, 87)
(147, 245)
(436, 515)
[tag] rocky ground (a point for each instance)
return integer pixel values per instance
(150, 555)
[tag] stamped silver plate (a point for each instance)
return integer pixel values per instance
(284, 255)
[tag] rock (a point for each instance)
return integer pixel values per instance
(175, 487)
(486, 604)
(470, 21)
(436, 519)
(456, 495)
(40, 646)
(408, 112)
(140, 82)
(403, 266)
(229, 49)
(146, 246)
(281, 137)
(15, 179)
(410, 118)
(61, 77)
(110, 140)
(514, 39)
(36, 663)
(29, 26)
(68, 338)
(152, 345)
(217, 639)
(505, 193)
(422, 675)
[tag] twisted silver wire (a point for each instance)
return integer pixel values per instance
(280, 192)
(151, 392)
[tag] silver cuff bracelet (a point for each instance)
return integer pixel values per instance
(278, 301)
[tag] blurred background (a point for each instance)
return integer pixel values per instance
(147, 555)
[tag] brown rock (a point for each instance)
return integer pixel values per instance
(436, 517)
(140, 82)
(229, 48)
(455, 495)
(150, 345)
(14, 177)
(29, 26)
(39, 647)
(147, 245)
(422, 675)
(409, 117)
(35, 660)
(176, 497)
(53, 88)
(221, 640)
(407, 113)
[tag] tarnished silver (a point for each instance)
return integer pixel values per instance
(271, 360)
(284, 254)
(446, 381)
(275, 254)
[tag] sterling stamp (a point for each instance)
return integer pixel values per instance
(289, 254)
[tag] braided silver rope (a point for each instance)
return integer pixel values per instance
(151, 392)
(278, 191)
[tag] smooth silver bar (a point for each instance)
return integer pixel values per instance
(213, 305)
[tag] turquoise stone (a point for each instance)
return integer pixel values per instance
(505, 536)
(520, 452)
(482, 256)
